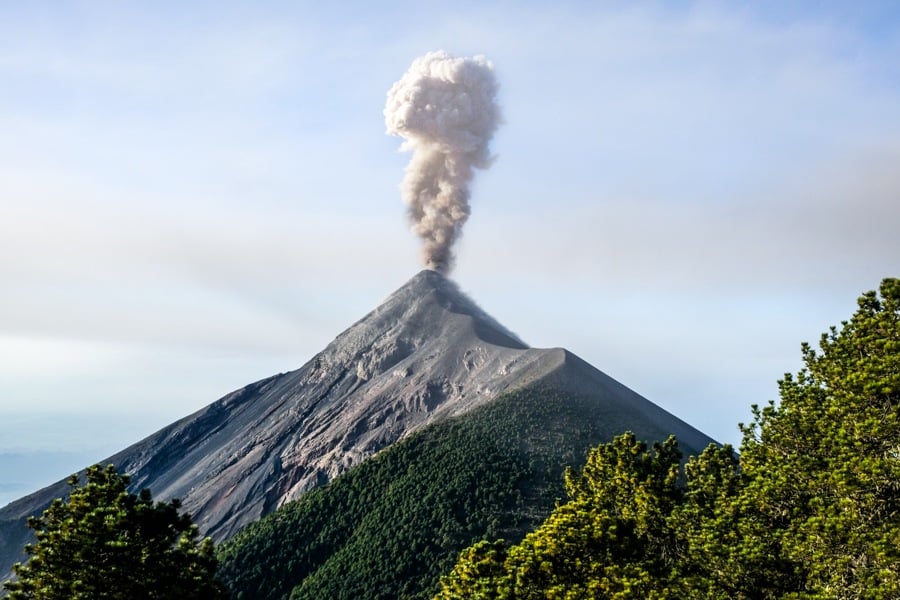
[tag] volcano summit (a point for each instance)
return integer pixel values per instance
(428, 353)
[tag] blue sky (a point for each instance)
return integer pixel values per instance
(196, 196)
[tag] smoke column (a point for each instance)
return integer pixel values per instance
(445, 109)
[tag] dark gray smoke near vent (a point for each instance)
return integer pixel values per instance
(445, 109)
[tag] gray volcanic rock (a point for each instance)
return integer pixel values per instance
(427, 353)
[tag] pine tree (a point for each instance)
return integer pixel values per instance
(810, 509)
(823, 466)
(106, 543)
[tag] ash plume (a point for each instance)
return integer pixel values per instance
(445, 109)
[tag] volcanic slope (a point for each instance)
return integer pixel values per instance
(426, 354)
(389, 528)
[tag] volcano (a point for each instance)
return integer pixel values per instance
(426, 354)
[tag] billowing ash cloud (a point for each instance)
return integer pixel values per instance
(445, 108)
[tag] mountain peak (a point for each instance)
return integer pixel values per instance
(426, 353)
(429, 285)
(429, 307)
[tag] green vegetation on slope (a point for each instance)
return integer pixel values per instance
(390, 527)
(811, 509)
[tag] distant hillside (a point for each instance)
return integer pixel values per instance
(390, 527)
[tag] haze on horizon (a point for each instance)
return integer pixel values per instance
(194, 198)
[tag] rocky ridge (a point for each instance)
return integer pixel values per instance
(427, 353)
